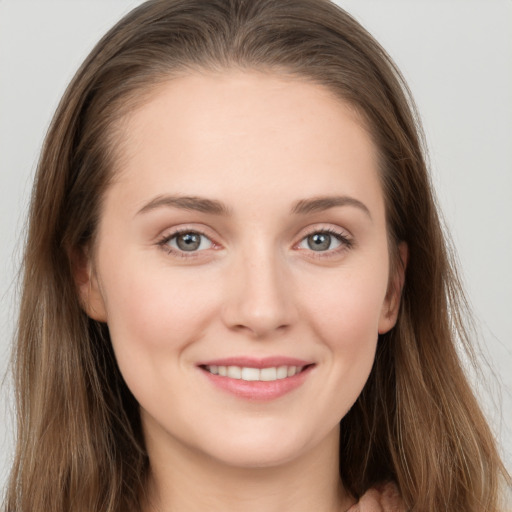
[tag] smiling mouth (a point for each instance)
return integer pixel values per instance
(245, 373)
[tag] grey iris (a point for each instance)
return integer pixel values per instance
(188, 241)
(319, 241)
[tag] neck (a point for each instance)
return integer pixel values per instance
(183, 480)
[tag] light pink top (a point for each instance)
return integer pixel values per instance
(383, 498)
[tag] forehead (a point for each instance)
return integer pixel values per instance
(207, 133)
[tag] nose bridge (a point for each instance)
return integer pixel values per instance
(260, 298)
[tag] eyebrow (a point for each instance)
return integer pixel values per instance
(212, 206)
(198, 204)
(318, 204)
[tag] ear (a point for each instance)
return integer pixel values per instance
(391, 305)
(89, 292)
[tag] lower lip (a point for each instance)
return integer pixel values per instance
(258, 390)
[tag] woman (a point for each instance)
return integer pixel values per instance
(240, 297)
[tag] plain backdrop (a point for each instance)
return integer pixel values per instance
(457, 58)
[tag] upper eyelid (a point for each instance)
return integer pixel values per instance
(332, 229)
(342, 235)
(309, 230)
(326, 227)
(304, 231)
(172, 232)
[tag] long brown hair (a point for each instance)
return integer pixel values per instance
(80, 445)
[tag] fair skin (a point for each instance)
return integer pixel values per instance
(273, 273)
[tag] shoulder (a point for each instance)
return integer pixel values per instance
(381, 498)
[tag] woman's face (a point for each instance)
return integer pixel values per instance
(243, 238)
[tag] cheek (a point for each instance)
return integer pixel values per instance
(152, 314)
(347, 307)
(345, 313)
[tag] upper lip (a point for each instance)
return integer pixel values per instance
(254, 362)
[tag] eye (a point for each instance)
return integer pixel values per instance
(186, 241)
(324, 241)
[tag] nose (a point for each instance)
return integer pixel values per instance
(259, 298)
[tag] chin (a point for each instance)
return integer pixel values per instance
(257, 458)
(254, 450)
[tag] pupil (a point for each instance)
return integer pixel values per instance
(188, 241)
(319, 241)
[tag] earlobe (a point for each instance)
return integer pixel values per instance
(87, 285)
(391, 306)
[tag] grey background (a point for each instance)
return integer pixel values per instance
(457, 58)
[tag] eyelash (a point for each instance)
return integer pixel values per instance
(345, 241)
(180, 254)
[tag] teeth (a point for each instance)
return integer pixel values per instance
(282, 372)
(255, 374)
(235, 372)
(250, 374)
(292, 370)
(267, 374)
